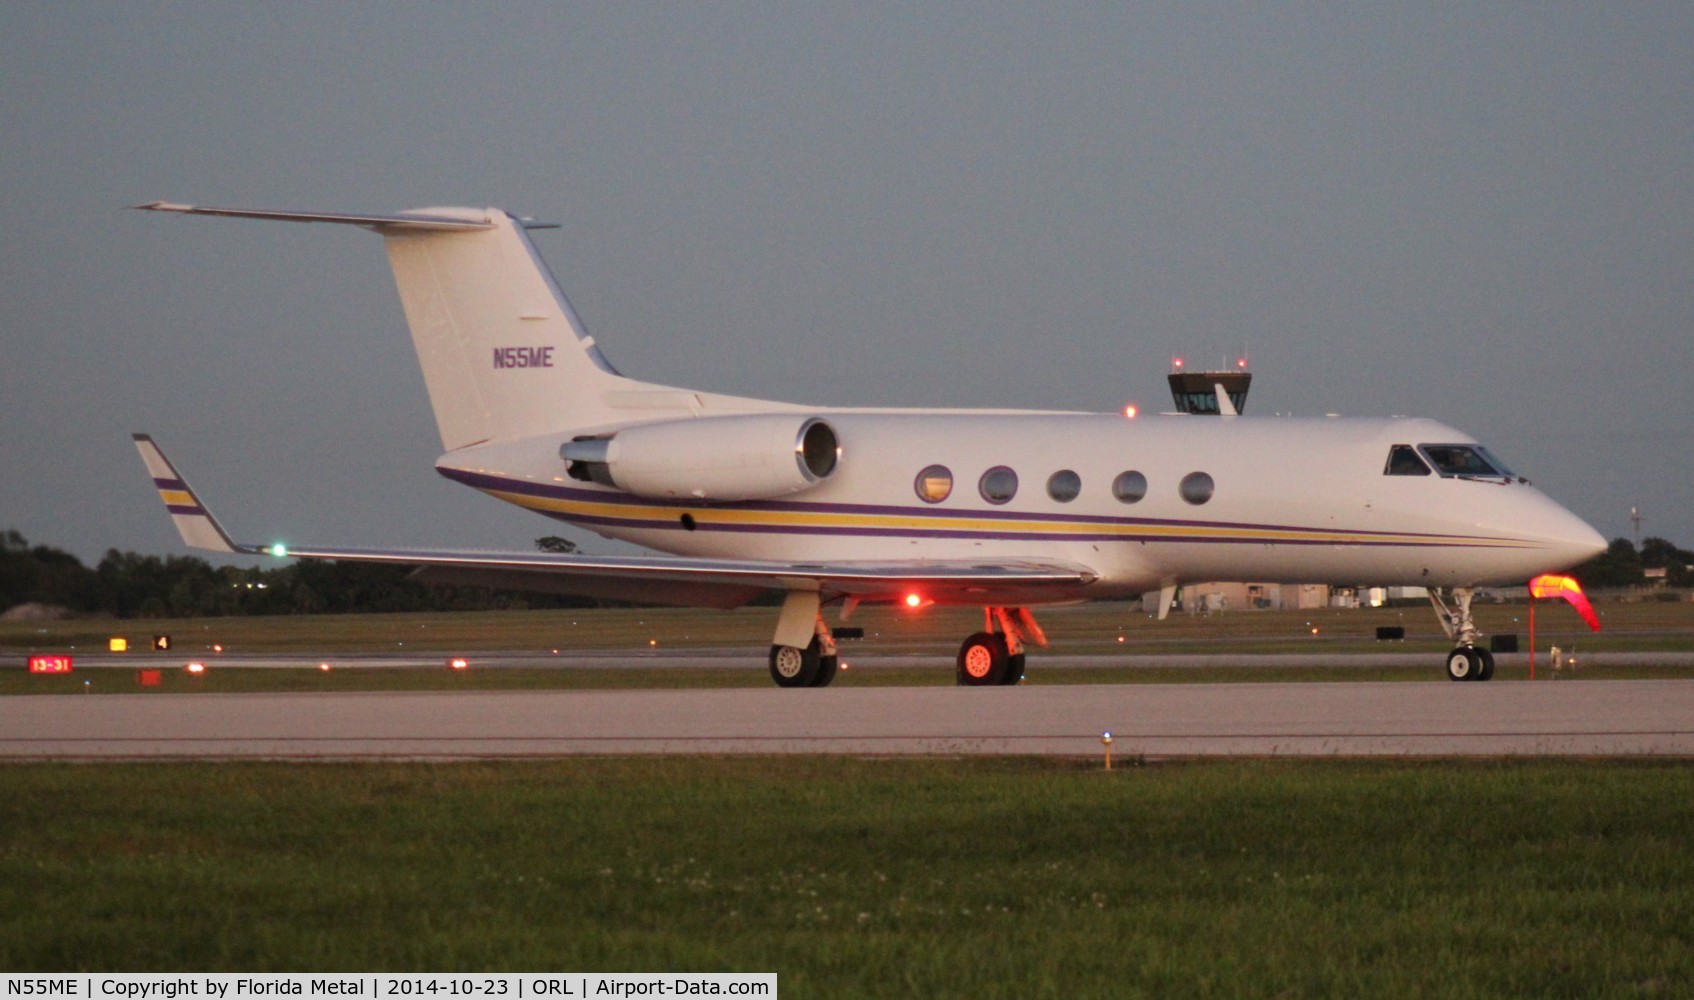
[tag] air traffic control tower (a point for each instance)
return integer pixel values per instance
(1216, 393)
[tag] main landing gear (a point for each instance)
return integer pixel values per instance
(803, 651)
(991, 658)
(1467, 661)
(813, 666)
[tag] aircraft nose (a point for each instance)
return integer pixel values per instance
(1570, 540)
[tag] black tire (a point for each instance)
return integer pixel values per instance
(1463, 664)
(793, 667)
(827, 665)
(1487, 671)
(982, 660)
(1014, 670)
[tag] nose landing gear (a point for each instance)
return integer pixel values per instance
(1470, 663)
(1467, 661)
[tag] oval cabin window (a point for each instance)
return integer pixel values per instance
(1196, 488)
(934, 484)
(998, 485)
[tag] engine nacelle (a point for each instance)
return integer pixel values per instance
(755, 457)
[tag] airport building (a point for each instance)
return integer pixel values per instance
(1210, 393)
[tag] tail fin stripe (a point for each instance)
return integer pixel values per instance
(198, 528)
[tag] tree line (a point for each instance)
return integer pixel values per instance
(1623, 565)
(130, 585)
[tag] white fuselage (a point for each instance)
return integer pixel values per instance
(1292, 500)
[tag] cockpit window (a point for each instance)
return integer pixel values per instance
(1494, 460)
(1461, 460)
(1403, 460)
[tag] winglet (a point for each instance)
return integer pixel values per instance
(199, 529)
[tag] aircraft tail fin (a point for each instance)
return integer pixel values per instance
(503, 354)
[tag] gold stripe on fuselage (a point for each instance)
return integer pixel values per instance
(658, 516)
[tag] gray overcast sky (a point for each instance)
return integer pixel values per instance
(1479, 213)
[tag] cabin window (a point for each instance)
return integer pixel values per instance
(1460, 460)
(1403, 460)
(1064, 485)
(1196, 488)
(998, 485)
(1129, 487)
(934, 484)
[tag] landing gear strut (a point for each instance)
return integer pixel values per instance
(1467, 661)
(991, 658)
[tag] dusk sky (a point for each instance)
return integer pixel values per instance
(1479, 213)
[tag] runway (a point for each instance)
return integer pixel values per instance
(1583, 718)
(753, 658)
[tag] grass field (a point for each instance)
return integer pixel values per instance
(1100, 629)
(989, 877)
(981, 878)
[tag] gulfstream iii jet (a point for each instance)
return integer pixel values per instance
(1004, 510)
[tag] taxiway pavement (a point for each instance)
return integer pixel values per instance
(1438, 719)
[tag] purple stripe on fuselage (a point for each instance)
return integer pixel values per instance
(170, 484)
(549, 491)
(180, 509)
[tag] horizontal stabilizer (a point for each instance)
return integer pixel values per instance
(425, 220)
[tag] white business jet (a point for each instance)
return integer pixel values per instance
(1001, 509)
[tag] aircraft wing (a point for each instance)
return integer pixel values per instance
(728, 583)
(693, 582)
